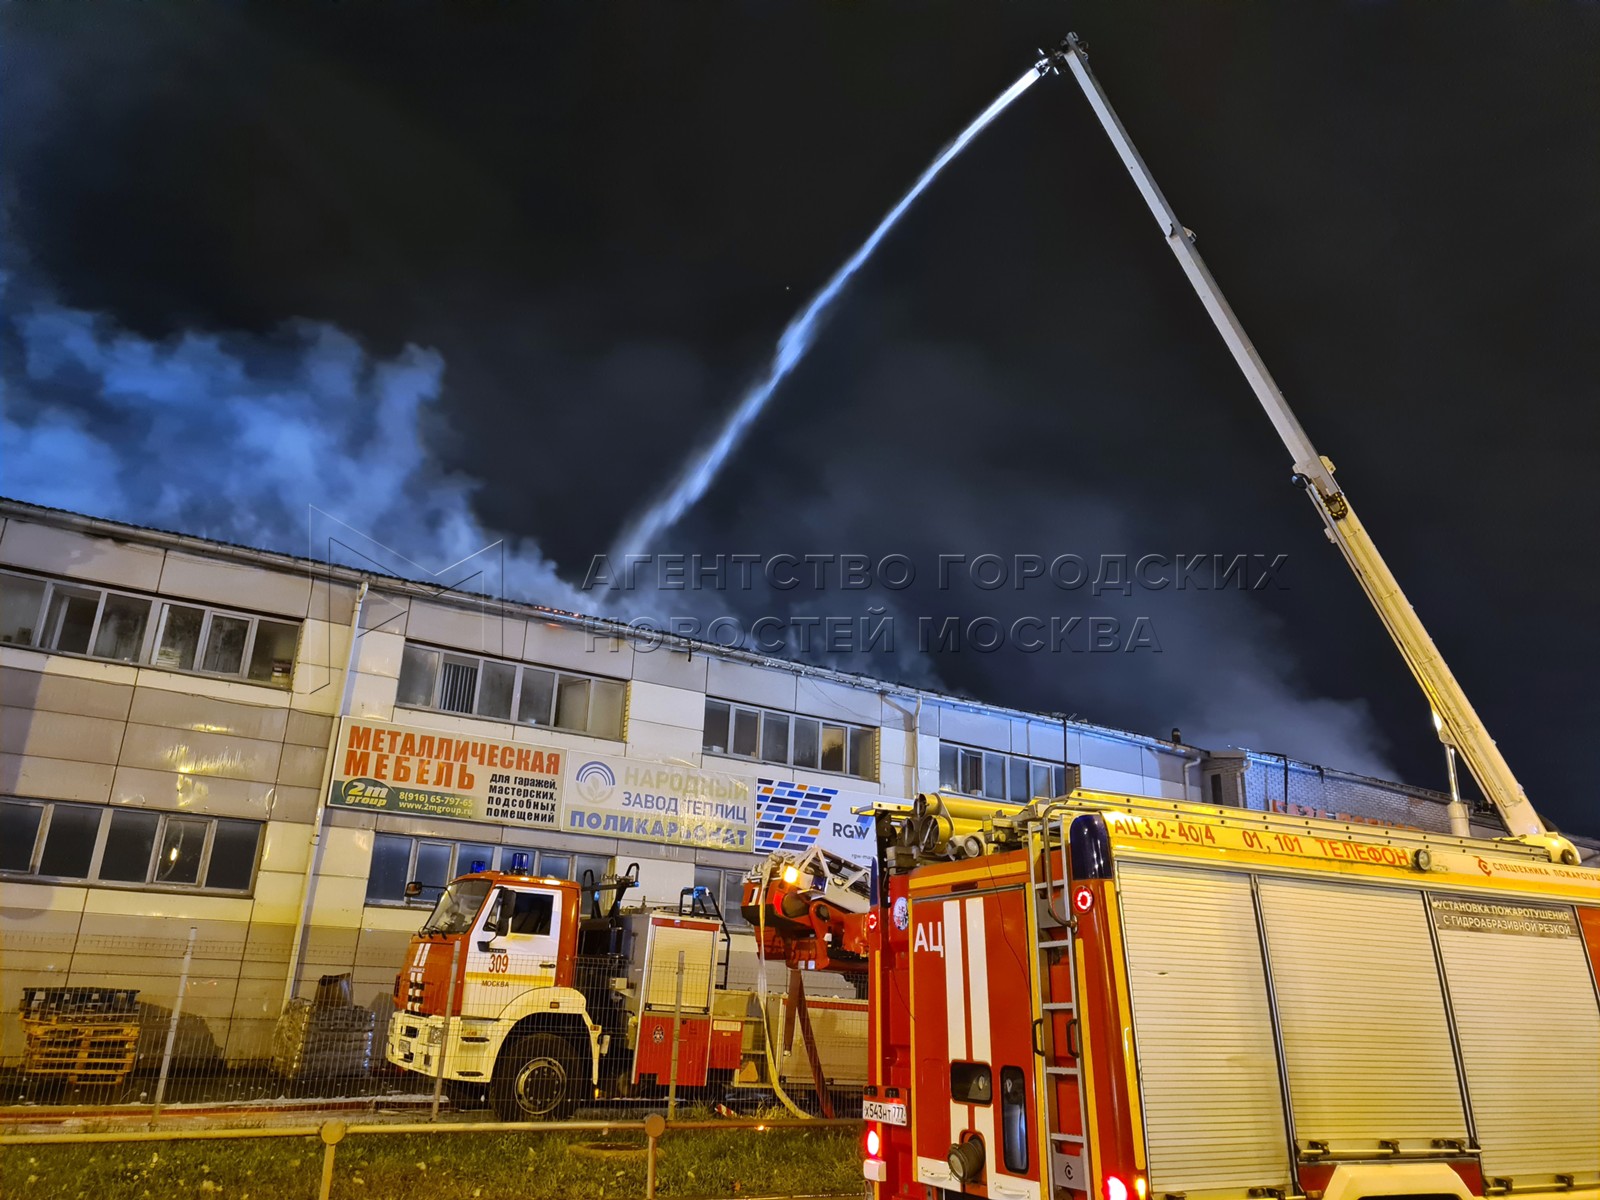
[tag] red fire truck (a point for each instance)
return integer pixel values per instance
(1114, 998)
(546, 994)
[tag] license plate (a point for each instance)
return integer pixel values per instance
(885, 1112)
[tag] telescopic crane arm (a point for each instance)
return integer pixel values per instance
(1459, 724)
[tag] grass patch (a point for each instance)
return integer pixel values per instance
(530, 1166)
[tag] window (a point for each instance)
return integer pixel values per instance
(726, 887)
(397, 859)
(72, 618)
(127, 846)
(788, 740)
(488, 687)
(1011, 778)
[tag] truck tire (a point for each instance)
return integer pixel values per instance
(535, 1079)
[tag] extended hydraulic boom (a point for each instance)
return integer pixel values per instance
(1460, 727)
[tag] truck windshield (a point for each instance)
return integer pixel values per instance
(458, 906)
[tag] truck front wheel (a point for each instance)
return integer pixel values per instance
(534, 1079)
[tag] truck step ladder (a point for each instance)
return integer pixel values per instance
(1067, 1164)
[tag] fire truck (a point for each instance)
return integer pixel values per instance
(547, 993)
(1115, 998)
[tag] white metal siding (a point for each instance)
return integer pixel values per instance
(699, 962)
(1529, 1026)
(1208, 1067)
(1362, 1017)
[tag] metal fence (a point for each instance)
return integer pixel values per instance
(519, 1034)
(611, 1158)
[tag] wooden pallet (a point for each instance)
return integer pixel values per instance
(84, 1048)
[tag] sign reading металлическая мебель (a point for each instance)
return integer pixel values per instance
(430, 773)
(659, 802)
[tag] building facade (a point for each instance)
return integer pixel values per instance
(265, 750)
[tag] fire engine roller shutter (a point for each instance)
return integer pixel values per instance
(1208, 1066)
(1361, 1014)
(1529, 1026)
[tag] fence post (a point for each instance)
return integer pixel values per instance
(172, 1026)
(654, 1126)
(677, 1021)
(444, 1037)
(332, 1133)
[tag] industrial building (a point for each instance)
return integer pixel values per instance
(267, 748)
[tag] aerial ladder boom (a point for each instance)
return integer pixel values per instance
(1460, 727)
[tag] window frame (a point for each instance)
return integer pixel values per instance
(106, 814)
(45, 639)
(791, 720)
(479, 662)
(964, 757)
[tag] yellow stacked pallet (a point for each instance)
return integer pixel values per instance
(81, 1035)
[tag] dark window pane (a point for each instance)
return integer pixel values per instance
(733, 897)
(272, 656)
(494, 693)
(122, 625)
(1060, 774)
(1017, 780)
(129, 841)
(391, 866)
(596, 864)
(536, 707)
(69, 843)
(971, 773)
(458, 685)
(1039, 783)
(949, 767)
(20, 602)
(709, 878)
(182, 843)
(71, 618)
(555, 866)
(715, 738)
(530, 913)
(19, 829)
(807, 742)
(225, 645)
(833, 747)
(233, 855)
(419, 674)
(433, 865)
(862, 765)
(605, 709)
(774, 738)
(468, 853)
(994, 776)
(180, 638)
(746, 732)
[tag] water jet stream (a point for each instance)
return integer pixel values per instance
(702, 468)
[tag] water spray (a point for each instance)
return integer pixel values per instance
(697, 474)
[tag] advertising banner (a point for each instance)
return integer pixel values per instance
(659, 802)
(382, 767)
(797, 816)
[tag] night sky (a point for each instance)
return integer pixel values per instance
(480, 271)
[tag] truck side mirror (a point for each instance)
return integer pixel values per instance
(413, 888)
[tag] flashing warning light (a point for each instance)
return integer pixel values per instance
(1115, 1188)
(791, 874)
(479, 865)
(1083, 901)
(1140, 1187)
(874, 1143)
(520, 861)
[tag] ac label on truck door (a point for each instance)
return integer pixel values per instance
(930, 937)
